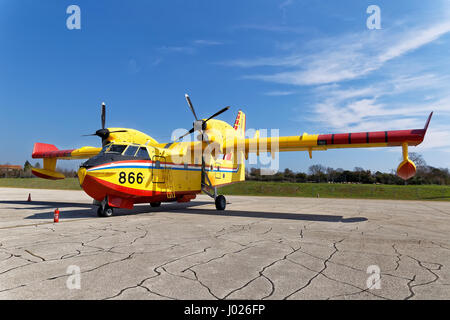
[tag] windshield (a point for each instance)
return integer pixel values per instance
(104, 149)
(142, 153)
(116, 148)
(131, 150)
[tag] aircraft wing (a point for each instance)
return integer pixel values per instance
(307, 142)
(316, 142)
(51, 154)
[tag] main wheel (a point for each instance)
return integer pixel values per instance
(221, 202)
(106, 212)
(155, 204)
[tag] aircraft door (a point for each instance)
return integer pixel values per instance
(159, 170)
(218, 173)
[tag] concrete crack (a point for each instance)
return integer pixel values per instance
(34, 255)
(411, 286)
(325, 265)
(261, 274)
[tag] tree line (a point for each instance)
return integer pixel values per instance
(26, 171)
(318, 173)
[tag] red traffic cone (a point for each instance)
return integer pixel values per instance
(29, 197)
(56, 216)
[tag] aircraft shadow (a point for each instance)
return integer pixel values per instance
(186, 208)
(275, 215)
(53, 204)
(86, 210)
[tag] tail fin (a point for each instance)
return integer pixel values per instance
(239, 124)
(239, 160)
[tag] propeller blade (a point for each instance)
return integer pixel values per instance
(118, 131)
(103, 115)
(88, 135)
(217, 113)
(190, 105)
(184, 135)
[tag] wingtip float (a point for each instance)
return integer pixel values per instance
(132, 167)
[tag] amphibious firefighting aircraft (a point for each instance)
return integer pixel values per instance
(132, 167)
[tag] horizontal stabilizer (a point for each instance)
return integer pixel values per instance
(47, 174)
(44, 150)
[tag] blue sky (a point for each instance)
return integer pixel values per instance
(296, 65)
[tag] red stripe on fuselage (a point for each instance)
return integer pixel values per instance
(99, 189)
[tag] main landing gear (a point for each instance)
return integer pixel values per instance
(211, 191)
(221, 202)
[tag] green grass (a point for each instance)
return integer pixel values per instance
(325, 190)
(36, 183)
(284, 189)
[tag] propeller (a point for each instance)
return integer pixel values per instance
(103, 133)
(199, 125)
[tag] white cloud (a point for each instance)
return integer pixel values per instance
(414, 40)
(437, 137)
(279, 93)
(398, 96)
(361, 109)
(344, 58)
(290, 61)
(207, 42)
(275, 28)
(177, 49)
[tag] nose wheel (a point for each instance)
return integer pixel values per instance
(104, 210)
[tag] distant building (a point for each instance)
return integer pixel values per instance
(10, 171)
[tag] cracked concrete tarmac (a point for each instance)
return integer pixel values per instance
(259, 248)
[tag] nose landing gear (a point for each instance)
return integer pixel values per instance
(105, 211)
(211, 191)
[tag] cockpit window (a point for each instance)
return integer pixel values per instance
(116, 148)
(131, 150)
(142, 153)
(104, 149)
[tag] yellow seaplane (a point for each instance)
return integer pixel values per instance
(132, 167)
